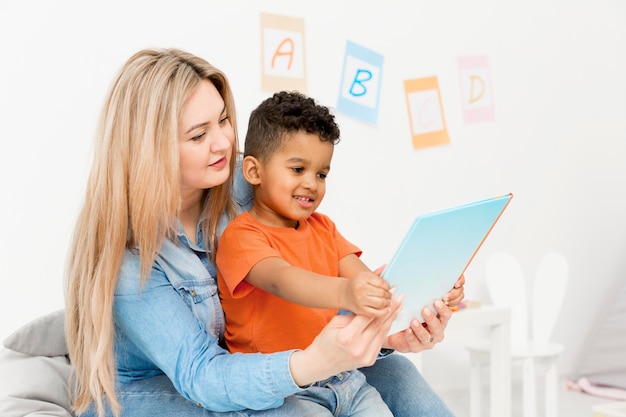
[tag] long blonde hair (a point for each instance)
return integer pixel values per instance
(132, 201)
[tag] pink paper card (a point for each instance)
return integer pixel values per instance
(476, 89)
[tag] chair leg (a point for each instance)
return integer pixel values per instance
(476, 387)
(528, 390)
(551, 389)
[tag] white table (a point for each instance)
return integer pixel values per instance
(498, 320)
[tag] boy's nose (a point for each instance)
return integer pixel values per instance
(309, 182)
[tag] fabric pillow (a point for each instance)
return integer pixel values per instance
(35, 369)
(44, 336)
(33, 385)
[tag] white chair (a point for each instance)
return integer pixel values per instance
(507, 287)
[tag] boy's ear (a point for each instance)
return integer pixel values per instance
(250, 169)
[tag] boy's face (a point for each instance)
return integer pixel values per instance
(292, 182)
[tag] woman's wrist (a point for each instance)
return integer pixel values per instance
(306, 369)
(346, 342)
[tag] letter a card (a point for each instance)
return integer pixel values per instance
(428, 125)
(476, 89)
(282, 46)
(360, 83)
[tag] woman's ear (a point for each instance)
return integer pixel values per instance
(251, 168)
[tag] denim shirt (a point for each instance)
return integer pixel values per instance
(173, 324)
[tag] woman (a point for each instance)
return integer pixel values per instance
(143, 320)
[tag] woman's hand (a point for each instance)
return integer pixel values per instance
(456, 294)
(346, 342)
(418, 336)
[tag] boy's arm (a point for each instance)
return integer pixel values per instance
(350, 265)
(309, 289)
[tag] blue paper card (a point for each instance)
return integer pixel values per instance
(361, 79)
(435, 252)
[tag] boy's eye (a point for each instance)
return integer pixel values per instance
(297, 170)
(321, 175)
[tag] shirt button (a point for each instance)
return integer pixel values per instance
(199, 405)
(193, 293)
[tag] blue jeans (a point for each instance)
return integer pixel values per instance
(395, 377)
(346, 394)
(404, 389)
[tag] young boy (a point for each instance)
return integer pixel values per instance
(294, 270)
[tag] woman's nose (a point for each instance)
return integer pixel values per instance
(220, 142)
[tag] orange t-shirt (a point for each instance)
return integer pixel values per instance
(257, 321)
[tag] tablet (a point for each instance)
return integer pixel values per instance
(435, 252)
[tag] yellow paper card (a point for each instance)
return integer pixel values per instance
(426, 118)
(282, 53)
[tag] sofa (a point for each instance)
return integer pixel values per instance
(34, 370)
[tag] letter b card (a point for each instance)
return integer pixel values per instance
(359, 92)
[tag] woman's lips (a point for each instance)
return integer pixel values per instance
(221, 163)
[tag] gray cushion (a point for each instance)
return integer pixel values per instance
(33, 385)
(34, 370)
(44, 336)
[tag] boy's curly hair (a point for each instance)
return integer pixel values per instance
(285, 113)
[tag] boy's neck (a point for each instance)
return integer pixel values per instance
(270, 218)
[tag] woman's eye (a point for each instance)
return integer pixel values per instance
(224, 119)
(198, 137)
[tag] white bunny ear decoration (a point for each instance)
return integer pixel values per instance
(507, 288)
(549, 288)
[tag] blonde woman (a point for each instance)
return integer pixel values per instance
(144, 324)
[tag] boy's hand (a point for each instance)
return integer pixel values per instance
(367, 294)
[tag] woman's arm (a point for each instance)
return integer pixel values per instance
(158, 332)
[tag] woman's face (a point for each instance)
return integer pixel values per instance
(206, 138)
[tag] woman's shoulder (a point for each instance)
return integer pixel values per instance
(128, 281)
(171, 258)
(242, 190)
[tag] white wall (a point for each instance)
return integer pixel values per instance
(558, 141)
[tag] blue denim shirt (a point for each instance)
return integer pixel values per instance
(174, 325)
